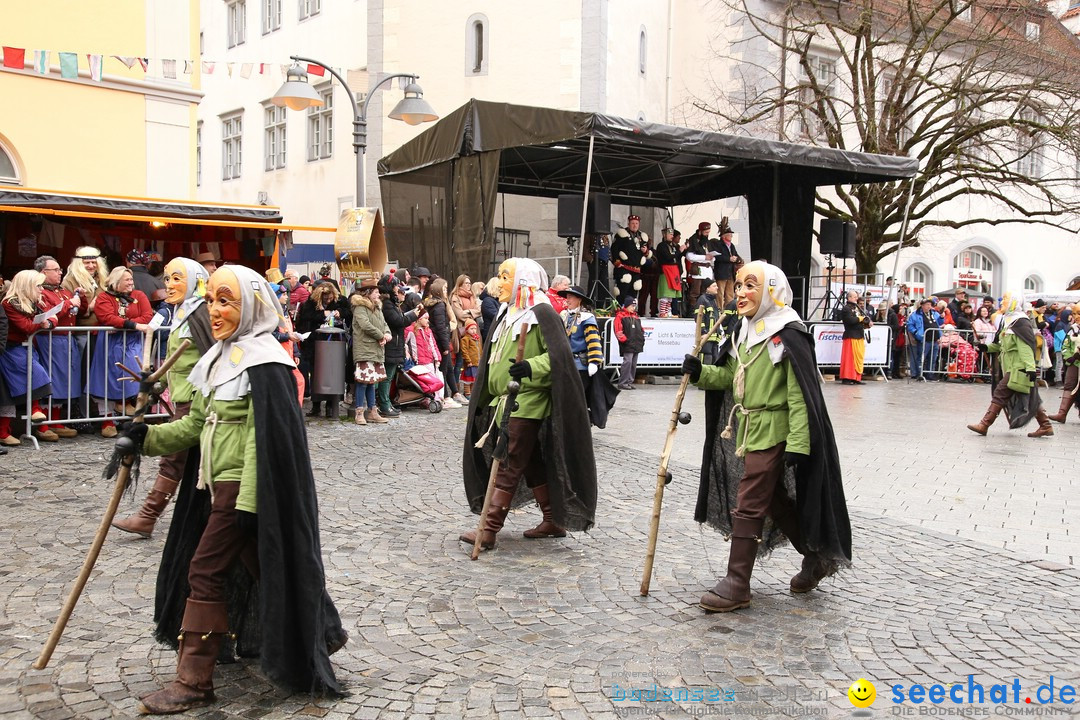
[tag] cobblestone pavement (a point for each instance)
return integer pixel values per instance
(965, 564)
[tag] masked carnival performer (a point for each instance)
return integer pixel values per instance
(629, 253)
(185, 290)
(1014, 371)
(780, 464)
(1070, 363)
(243, 558)
(549, 441)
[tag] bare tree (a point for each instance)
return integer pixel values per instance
(984, 95)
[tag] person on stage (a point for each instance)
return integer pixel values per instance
(185, 289)
(243, 559)
(778, 474)
(549, 442)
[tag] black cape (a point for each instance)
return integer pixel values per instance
(602, 394)
(286, 617)
(565, 438)
(817, 488)
(1021, 408)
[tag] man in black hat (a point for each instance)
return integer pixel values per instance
(324, 276)
(726, 263)
(588, 350)
(424, 275)
(629, 253)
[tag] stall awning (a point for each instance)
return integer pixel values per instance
(132, 209)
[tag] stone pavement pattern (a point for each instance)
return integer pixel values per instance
(963, 555)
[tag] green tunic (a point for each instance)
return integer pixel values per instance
(225, 429)
(777, 409)
(534, 398)
(1017, 359)
(180, 390)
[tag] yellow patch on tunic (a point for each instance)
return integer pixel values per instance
(236, 355)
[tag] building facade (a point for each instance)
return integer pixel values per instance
(126, 131)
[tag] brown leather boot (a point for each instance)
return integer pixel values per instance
(814, 569)
(1045, 429)
(201, 635)
(1067, 399)
(988, 419)
(373, 416)
(142, 522)
(500, 506)
(733, 592)
(547, 527)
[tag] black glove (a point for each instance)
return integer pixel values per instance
(132, 436)
(247, 523)
(145, 385)
(691, 365)
(520, 370)
(795, 460)
(981, 347)
(1032, 375)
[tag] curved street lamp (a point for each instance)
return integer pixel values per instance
(297, 94)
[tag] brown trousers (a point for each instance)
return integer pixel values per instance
(1002, 393)
(757, 496)
(522, 456)
(172, 466)
(725, 289)
(221, 544)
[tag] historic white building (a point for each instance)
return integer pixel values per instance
(635, 58)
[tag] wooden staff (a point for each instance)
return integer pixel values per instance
(499, 454)
(114, 502)
(677, 416)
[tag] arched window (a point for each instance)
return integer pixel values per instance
(919, 279)
(642, 51)
(476, 45)
(1033, 283)
(9, 171)
(976, 270)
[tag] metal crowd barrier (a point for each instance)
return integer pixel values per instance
(947, 362)
(83, 408)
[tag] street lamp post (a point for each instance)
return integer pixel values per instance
(297, 94)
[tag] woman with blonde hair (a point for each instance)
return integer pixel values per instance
(128, 310)
(21, 305)
(444, 325)
(87, 275)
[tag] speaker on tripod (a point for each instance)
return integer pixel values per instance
(836, 238)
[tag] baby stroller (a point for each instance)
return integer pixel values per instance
(418, 386)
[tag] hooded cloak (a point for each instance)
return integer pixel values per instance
(194, 304)
(285, 617)
(817, 487)
(1022, 407)
(565, 438)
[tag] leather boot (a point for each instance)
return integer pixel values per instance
(201, 635)
(1066, 404)
(142, 522)
(733, 592)
(814, 568)
(547, 527)
(500, 506)
(1045, 429)
(316, 408)
(988, 419)
(372, 416)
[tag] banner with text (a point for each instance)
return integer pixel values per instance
(667, 340)
(829, 341)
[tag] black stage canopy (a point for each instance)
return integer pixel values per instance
(439, 189)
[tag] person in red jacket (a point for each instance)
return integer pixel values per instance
(631, 338)
(58, 351)
(21, 305)
(123, 307)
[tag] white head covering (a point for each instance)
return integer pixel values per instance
(194, 295)
(253, 342)
(775, 310)
(529, 290)
(1012, 305)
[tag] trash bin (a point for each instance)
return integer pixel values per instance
(328, 374)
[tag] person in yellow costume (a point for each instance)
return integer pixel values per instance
(773, 472)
